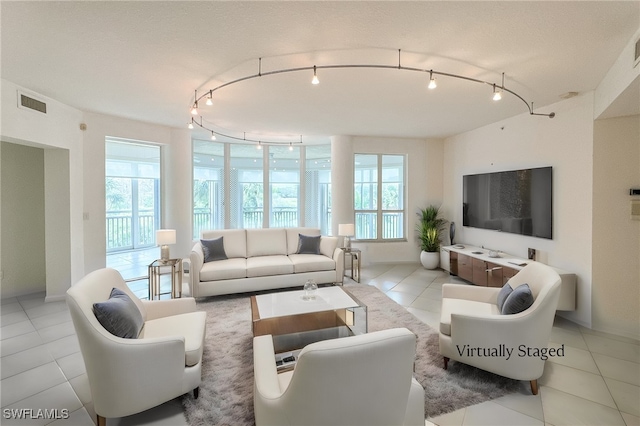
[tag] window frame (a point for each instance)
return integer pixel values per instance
(304, 217)
(380, 211)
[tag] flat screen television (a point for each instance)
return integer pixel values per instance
(516, 201)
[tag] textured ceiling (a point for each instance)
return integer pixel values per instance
(143, 60)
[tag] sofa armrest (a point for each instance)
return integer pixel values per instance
(528, 328)
(115, 366)
(196, 260)
(265, 372)
(470, 292)
(338, 257)
(415, 405)
(165, 308)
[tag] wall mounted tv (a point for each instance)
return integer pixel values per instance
(516, 201)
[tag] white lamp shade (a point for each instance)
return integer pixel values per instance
(165, 236)
(346, 229)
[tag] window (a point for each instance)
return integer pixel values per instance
(246, 187)
(284, 186)
(208, 175)
(132, 194)
(379, 196)
(317, 186)
(239, 186)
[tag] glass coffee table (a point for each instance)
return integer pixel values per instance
(295, 322)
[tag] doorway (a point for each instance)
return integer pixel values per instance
(132, 203)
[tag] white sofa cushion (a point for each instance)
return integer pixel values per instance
(269, 265)
(224, 269)
(266, 242)
(328, 245)
(191, 325)
(292, 237)
(463, 307)
(311, 263)
(235, 241)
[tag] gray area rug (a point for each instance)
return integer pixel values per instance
(226, 392)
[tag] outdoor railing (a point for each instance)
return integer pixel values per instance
(204, 220)
(279, 219)
(120, 231)
(366, 226)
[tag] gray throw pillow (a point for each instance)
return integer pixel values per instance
(505, 291)
(308, 244)
(519, 300)
(119, 315)
(213, 250)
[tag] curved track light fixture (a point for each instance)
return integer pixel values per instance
(498, 91)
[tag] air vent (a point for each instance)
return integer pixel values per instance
(637, 54)
(29, 102)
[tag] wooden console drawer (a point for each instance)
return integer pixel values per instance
(465, 267)
(494, 274)
(508, 273)
(479, 272)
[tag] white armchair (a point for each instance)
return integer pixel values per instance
(470, 319)
(360, 380)
(127, 376)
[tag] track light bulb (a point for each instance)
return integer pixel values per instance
(209, 101)
(190, 126)
(194, 109)
(497, 94)
(315, 80)
(432, 81)
(259, 146)
(290, 147)
(213, 136)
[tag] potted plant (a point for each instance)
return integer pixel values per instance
(428, 228)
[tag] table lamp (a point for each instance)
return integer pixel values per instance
(164, 237)
(347, 230)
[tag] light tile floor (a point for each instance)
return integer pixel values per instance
(133, 263)
(596, 383)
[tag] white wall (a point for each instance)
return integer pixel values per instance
(565, 143)
(423, 187)
(57, 200)
(57, 129)
(178, 184)
(176, 181)
(616, 237)
(341, 181)
(618, 78)
(23, 220)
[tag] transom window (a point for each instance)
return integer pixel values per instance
(379, 201)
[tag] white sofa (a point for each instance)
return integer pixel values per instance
(359, 380)
(263, 259)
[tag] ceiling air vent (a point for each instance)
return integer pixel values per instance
(27, 101)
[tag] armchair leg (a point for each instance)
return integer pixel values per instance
(196, 392)
(534, 387)
(101, 421)
(446, 362)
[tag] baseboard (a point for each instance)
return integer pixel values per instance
(56, 298)
(616, 332)
(394, 262)
(608, 330)
(569, 317)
